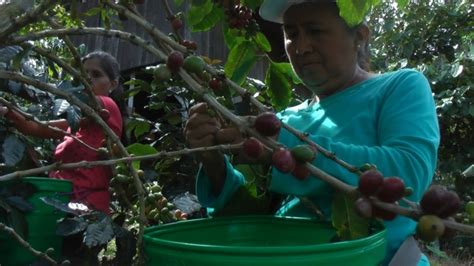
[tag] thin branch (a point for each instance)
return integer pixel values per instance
(28, 17)
(77, 57)
(303, 137)
(130, 37)
(45, 124)
(89, 164)
(171, 16)
(25, 244)
(313, 207)
(9, 75)
(415, 214)
(156, 34)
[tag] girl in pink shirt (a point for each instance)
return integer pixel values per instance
(90, 185)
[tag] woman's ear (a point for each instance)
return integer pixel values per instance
(362, 35)
(113, 85)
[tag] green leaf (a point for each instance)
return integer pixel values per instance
(8, 53)
(471, 110)
(456, 70)
(23, 189)
(232, 38)
(279, 81)
(126, 246)
(178, 2)
(139, 149)
(252, 4)
(402, 3)
(92, 12)
(139, 127)
(348, 224)
(13, 150)
(17, 220)
(244, 202)
(71, 226)
(354, 11)
(99, 233)
(240, 61)
(58, 205)
(262, 42)
(20, 203)
(139, 84)
(73, 118)
(210, 20)
(198, 2)
(197, 13)
(60, 107)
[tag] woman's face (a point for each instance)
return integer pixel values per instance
(101, 83)
(321, 50)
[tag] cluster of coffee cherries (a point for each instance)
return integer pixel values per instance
(239, 17)
(291, 160)
(157, 208)
(436, 204)
(193, 64)
(373, 184)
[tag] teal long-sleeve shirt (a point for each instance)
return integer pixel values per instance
(388, 120)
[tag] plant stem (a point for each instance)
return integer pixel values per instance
(25, 244)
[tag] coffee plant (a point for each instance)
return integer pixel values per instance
(42, 77)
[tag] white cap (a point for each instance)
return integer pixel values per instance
(273, 10)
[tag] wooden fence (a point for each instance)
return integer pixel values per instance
(130, 57)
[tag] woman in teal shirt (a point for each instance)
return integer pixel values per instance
(388, 120)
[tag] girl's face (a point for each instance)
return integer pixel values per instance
(101, 83)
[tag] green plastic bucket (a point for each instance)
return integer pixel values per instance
(41, 223)
(257, 241)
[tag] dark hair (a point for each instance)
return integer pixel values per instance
(109, 64)
(363, 53)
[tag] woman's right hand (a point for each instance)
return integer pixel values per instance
(201, 128)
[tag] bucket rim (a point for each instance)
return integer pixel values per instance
(374, 239)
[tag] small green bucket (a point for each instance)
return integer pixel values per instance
(41, 223)
(258, 241)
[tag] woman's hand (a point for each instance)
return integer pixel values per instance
(3, 110)
(201, 128)
(201, 131)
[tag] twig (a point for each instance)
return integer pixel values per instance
(156, 34)
(25, 244)
(34, 119)
(408, 212)
(9, 75)
(302, 136)
(309, 204)
(28, 17)
(171, 16)
(415, 214)
(89, 164)
(77, 57)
